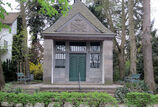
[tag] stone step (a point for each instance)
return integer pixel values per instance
(76, 89)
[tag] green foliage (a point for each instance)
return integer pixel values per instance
(9, 68)
(37, 70)
(3, 12)
(139, 99)
(121, 93)
(10, 89)
(140, 86)
(155, 99)
(92, 99)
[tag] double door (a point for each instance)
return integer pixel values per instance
(77, 67)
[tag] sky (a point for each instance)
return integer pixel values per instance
(154, 10)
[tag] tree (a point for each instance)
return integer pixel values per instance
(133, 49)
(2, 16)
(2, 81)
(37, 22)
(115, 16)
(155, 53)
(25, 35)
(46, 9)
(147, 47)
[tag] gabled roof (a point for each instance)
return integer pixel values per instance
(10, 18)
(78, 8)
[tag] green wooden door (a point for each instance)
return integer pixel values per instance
(77, 67)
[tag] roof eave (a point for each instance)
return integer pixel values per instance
(72, 34)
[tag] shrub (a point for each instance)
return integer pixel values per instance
(121, 93)
(10, 89)
(2, 97)
(10, 69)
(155, 99)
(92, 99)
(37, 70)
(140, 86)
(139, 99)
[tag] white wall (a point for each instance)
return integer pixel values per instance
(8, 36)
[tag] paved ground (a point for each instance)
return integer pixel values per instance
(41, 85)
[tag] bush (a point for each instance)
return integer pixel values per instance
(92, 99)
(10, 89)
(121, 93)
(37, 70)
(155, 99)
(9, 68)
(139, 99)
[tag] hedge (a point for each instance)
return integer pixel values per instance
(141, 99)
(95, 99)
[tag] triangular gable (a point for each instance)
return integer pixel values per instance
(78, 24)
(78, 7)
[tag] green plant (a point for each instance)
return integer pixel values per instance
(75, 99)
(139, 99)
(155, 99)
(2, 97)
(37, 70)
(9, 68)
(140, 86)
(10, 89)
(121, 93)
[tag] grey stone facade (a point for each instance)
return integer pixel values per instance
(48, 60)
(78, 27)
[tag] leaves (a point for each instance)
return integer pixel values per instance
(74, 98)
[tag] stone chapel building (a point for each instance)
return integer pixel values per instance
(78, 47)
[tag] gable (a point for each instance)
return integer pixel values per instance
(78, 24)
(78, 8)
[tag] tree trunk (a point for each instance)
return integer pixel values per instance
(132, 38)
(25, 50)
(122, 46)
(2, 81)
(121, 65)
(147, 47)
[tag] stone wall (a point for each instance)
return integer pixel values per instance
(102, 75)
(108, 61)
(48, 60)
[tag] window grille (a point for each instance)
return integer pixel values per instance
(78, 46)
(95, 49)
(60, 56)
(60, 60)
(60, 47)
(95, 60)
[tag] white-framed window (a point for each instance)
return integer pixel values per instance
(60, 56)
(95, 54)
(5, 44)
